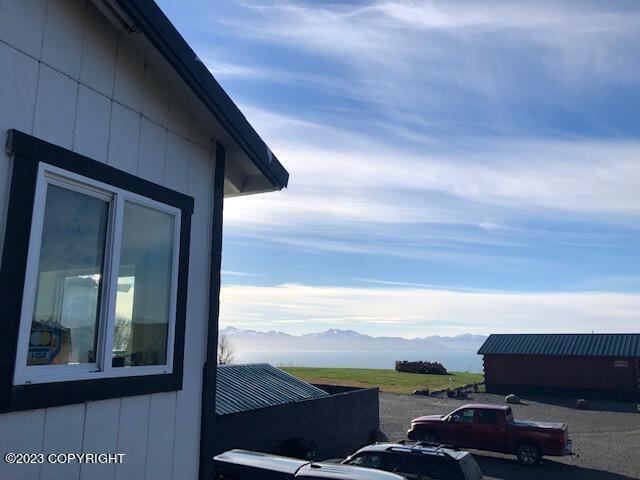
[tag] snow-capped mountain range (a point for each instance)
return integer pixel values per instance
(335, 340)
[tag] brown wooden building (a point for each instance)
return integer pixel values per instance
(590, 365)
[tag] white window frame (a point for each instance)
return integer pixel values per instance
(31, 374)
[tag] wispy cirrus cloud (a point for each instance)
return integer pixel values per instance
(429, 286)
(416, 311)
(235, 273)
(364, 196)
(226, 70)
(463, 65)
(571, 175)
(448, 160)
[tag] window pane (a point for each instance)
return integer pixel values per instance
(440, 468)
(405, 464)
(465, 416)
(488, 417)
(143, 299)
(67, 304)
(371, 460)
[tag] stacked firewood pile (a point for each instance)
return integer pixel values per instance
(433, 368)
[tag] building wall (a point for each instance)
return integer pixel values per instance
(335, 426)
(68, 77)
(573, 373)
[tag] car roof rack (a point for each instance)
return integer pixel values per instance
(424, 443)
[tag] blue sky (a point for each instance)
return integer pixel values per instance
(456, 167)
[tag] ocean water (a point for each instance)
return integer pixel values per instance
(455, 361)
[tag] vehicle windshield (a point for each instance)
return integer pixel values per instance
(370, 460)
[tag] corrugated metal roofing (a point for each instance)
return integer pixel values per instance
(240, 388)
(591, 345)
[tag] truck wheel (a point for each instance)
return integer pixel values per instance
(429, 437)
(528, 455)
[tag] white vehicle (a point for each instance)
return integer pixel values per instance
(419, 461)
(247, 465)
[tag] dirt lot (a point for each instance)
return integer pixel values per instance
(607, 437)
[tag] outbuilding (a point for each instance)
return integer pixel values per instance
(599, 365)
(120, 148)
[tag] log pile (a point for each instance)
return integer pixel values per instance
(433, 368)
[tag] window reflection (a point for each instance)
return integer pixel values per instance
(66, 309)
(143, 301)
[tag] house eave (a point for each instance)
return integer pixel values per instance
(149, 19)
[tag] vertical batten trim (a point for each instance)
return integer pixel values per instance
(209, 371)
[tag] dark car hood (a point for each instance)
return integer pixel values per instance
(428, 418)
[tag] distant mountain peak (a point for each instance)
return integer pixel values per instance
(230, 330)
(335, 333)
(335, 339)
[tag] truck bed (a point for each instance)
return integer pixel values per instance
(536, 424)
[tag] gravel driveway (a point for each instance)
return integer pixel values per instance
(607, 437)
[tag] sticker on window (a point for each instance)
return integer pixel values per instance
(45, 343)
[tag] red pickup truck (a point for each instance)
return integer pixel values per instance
(492, 427)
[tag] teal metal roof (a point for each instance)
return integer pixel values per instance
(240, 388)
(590, 345)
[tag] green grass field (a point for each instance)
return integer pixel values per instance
(387, 380)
